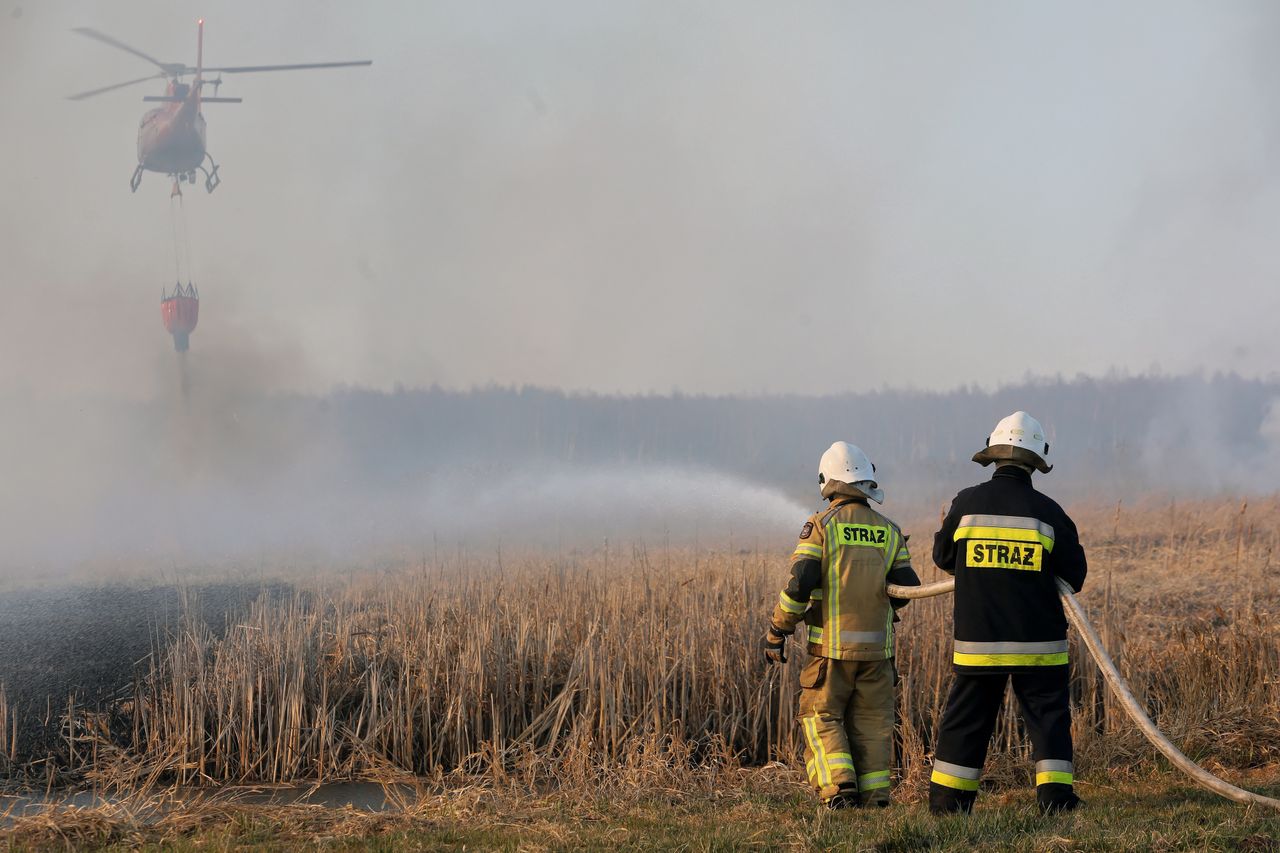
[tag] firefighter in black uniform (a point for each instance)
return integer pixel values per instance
(1006, 543)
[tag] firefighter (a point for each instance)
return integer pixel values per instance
(1006, 543)
(842, 561)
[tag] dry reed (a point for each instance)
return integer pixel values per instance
(548, 672)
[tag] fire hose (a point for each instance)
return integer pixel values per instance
(1076, 616)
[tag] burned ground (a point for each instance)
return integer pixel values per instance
(84, 644)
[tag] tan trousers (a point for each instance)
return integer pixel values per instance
(847, 715)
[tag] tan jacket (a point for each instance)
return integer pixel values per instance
(841, 563)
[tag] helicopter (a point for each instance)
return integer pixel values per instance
(171, 138)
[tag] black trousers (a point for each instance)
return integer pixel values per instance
(970, 718)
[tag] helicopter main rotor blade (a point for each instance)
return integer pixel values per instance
(253, 69)
(92, 92)
(116, 43)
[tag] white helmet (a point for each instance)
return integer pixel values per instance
(1017, 438)
(846, 464)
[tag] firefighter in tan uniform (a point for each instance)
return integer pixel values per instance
(843, 559)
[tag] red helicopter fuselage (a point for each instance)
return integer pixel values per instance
(171, 138)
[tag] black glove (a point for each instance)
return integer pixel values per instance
(774, 646)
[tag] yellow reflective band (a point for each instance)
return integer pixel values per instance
(789, 604)
(890, 551)
(840, 759)
(1004, 534)
(808, 552)
(833, 592)
(872, 781)
(1009, 660)
(1054, 776)
(815, 634)
(954, 781)
(815, 747)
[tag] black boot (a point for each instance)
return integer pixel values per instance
(1054, 798)
(944, 800)
(846, 798)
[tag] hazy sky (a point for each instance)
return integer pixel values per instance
(724, 197)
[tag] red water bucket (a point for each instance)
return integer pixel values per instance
(181, 311)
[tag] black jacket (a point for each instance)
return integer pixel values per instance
(1005, 543)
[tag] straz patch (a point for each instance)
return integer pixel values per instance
(986, 554)
(806, 530)
(870, 535)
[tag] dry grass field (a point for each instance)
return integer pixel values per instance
(542, 701)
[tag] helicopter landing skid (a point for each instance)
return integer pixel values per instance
(136, 180)
(211, 179)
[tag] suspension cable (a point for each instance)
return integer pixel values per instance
(175, 214)
(186, 238)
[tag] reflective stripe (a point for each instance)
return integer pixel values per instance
(1009, 528)
(956, 776)
(832, 587)
(842, 760)
(1018, 521)
(1010, 660)
(872, 781)
(849, 638)
(1054, 765)
(958, 770)
(1051, 653)
(816, 595)
(898, 553)
(1045, 648)
(807, 552)
(1054, 771)
(815, 747)
(789, 604)
(891, 551)
(1004, 534)
(954, 781)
